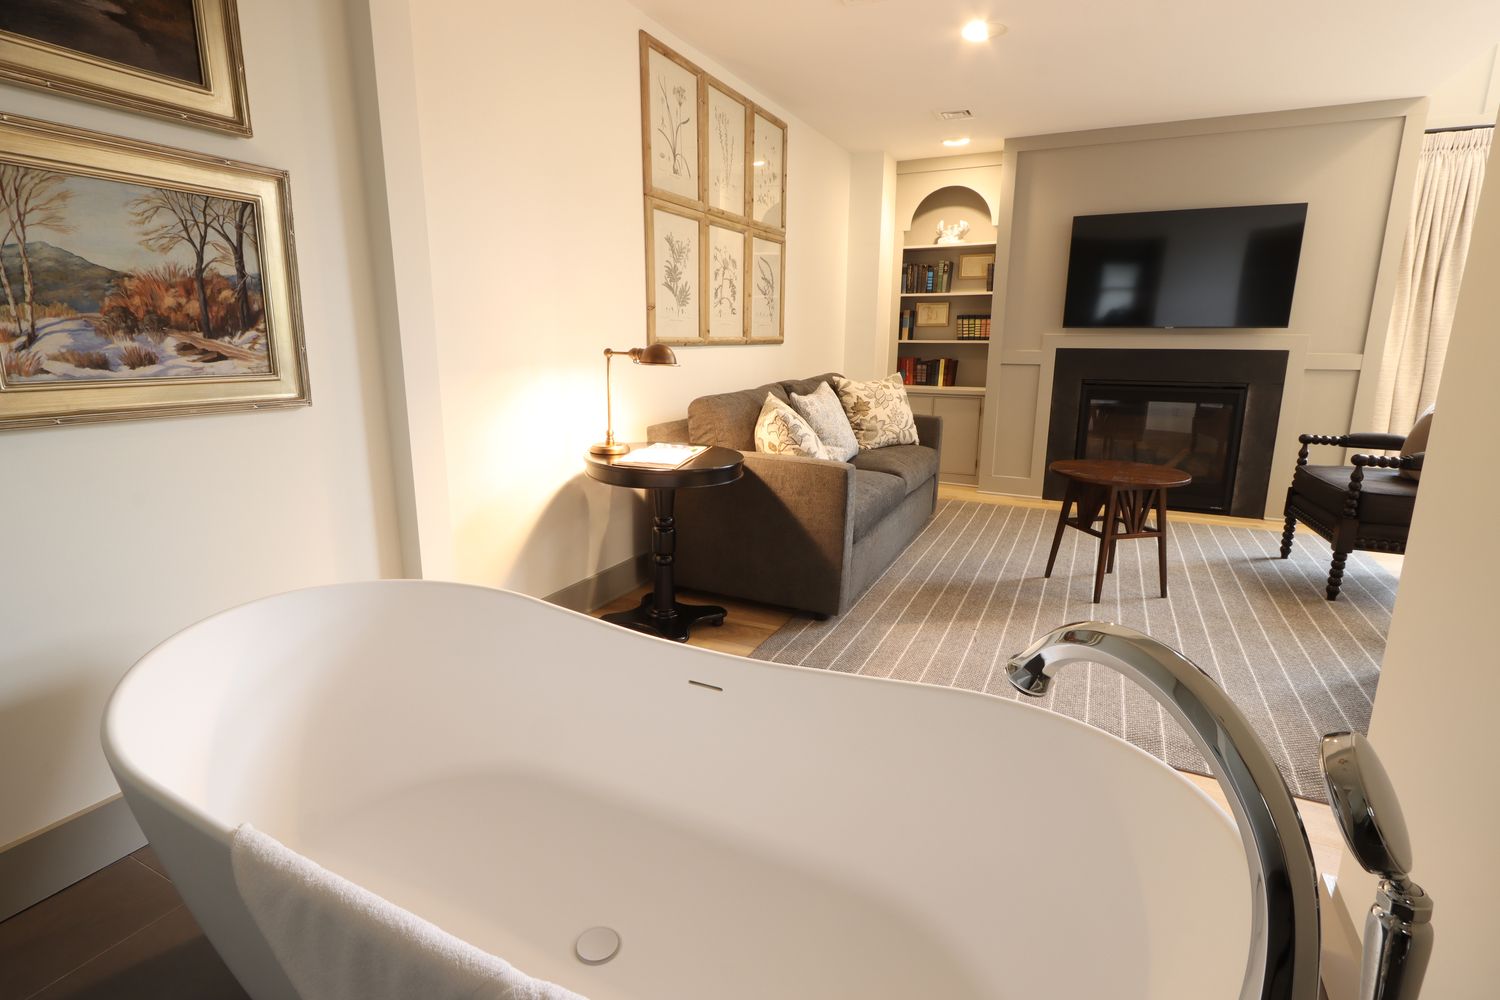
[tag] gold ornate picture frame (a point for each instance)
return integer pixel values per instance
(712, 156)
(138, 280)
(175, 59)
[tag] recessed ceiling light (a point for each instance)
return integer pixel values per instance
(981, 31)
(962, 140)
(758, 163)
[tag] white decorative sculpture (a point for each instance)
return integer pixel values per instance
(952, 234)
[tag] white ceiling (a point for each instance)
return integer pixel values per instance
(869, 73)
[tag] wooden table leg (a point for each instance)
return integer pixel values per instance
(1161, 539)
(1106, 542)
(1069, 498)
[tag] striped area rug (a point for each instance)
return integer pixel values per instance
(969, 592)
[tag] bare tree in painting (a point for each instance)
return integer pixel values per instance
(180, 218)
(233, 225)
(7, 231)
(33, 199)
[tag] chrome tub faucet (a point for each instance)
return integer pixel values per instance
(1398, 928)
(1284, 932)
(1284, 942)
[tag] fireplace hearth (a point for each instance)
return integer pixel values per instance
(1210, 413)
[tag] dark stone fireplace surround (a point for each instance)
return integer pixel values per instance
(1263, 373)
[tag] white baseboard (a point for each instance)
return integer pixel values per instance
(53, 859)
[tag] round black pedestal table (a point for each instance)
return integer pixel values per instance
(660, 613)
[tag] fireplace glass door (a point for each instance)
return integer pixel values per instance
(1191, 427)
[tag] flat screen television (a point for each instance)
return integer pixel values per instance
(1202, 268)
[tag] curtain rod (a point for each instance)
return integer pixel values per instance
(1457, 128)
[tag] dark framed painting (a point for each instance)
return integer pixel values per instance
(177, 59)
(139, 280)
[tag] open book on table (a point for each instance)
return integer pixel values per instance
(661, 456)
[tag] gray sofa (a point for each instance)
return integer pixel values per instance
(799, 532)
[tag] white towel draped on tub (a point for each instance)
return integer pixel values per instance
(337, 941)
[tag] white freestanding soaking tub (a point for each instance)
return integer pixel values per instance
(517, 773)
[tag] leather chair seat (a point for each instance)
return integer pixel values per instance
(1386, 498)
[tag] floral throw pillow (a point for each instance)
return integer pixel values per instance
(877, 410)
(781, 430)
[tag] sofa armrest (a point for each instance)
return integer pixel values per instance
(782, 534)
(929, 430)
(673, 431)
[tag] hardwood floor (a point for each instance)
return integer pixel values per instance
(123, 933)
(749, 624)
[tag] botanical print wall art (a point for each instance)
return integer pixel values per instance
(714, 184)
(767, 273)
(726, 279)
(671, 109)
(726, 152)
(768, 195)
(179, 59)
(136, 279)
(674, 303)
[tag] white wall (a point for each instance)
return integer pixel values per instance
(117, 535)
(529, 131)
(873, 242)
(1353, 165)
(1434, 715)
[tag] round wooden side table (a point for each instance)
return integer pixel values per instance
(1124, 494)
(660, 613)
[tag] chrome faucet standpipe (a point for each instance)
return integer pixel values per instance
(1398, 928)
(1284, 936)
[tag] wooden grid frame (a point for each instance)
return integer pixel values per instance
(698, 207)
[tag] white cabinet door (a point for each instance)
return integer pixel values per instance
(959, 460)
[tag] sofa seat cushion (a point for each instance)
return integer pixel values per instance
(913, 464)
(728, 419)
(1385, 496)
(875, 495)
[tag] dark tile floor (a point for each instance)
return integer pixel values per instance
(120, 934)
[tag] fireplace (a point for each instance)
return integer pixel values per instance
(1195, 428)
(1208, 412)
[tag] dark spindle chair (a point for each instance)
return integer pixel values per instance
(1364, 506)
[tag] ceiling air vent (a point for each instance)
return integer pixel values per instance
(953, 116)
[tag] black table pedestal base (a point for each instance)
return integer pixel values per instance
(673, 625)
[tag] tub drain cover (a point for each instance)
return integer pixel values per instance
(597, 945)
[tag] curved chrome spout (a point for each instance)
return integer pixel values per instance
(1284, 941)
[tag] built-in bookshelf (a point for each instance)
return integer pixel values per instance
(953, 345)
(942, 333)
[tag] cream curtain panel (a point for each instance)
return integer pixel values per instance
(1450, 173)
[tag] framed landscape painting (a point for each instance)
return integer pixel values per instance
(138, 280)
(178, 59)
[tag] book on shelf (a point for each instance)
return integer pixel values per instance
(989, 277)
(934, 277)
(908, 324)
(973, 327)
(928, 371)
(661, 456)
